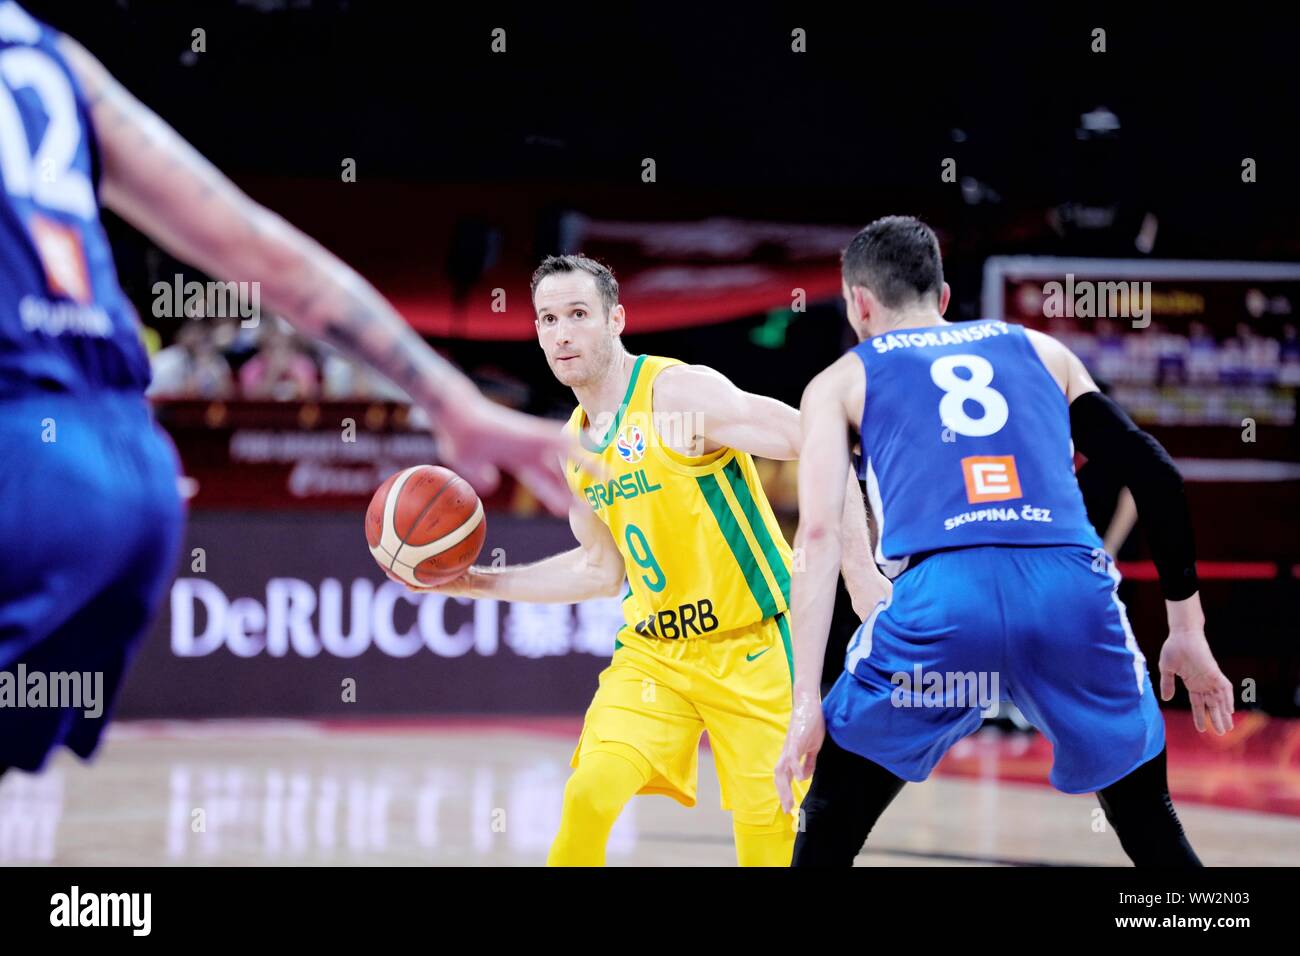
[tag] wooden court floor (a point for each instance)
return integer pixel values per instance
(487, 793)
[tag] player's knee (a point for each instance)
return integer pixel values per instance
(766, 821)
(1141, 793)
(821, 805)
(763, 838)
(1139, 809)
(585, 795)
(601, 785)
(836, 820)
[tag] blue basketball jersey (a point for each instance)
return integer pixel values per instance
(966, 443)
(64, 320)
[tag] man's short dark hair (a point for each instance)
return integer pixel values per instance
(897, 258)
(606, 284)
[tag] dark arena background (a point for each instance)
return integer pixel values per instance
(718, 159)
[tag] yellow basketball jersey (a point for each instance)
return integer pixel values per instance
(702, 549)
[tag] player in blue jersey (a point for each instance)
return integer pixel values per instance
(1001, 588)
(91, 524)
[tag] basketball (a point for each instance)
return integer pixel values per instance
(425, 526)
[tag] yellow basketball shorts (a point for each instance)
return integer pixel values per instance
(658, 695)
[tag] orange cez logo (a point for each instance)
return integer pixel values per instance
(990, 478)
(63, 257)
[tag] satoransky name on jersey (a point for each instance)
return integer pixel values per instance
(955, 336)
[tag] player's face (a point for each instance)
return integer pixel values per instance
(573, 330)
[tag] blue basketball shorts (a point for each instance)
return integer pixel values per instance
(90, 532)
(1042, 627)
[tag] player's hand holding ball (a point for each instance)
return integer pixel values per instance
(463, 586)
(425, 526)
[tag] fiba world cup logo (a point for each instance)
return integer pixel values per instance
(631, 444)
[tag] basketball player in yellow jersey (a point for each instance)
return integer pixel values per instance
(681, 514)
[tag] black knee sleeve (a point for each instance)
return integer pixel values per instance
(1142, 814)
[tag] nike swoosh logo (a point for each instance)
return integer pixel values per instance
(754, 657)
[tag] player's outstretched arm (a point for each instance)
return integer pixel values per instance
(1104, 433)
(819, 541)
(591, 570)
(718, 413)
(162, 186)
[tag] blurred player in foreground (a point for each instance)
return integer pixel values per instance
(706, 644)
(91, 530)
(966, 432)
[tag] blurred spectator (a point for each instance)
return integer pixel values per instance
(1202, 350)
(280, 370)
(1172, 353)
(237, 342)
(1169, 376)
(344, 378)
(1262, 352)
(192, 367)
(1112, 363)
(1232, 363)
(1289, 357)
(151, 340)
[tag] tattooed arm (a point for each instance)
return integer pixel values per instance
(161, 185)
